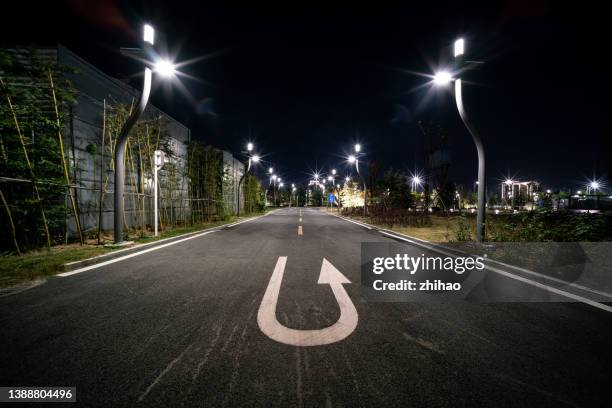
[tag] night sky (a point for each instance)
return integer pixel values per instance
(306, 80)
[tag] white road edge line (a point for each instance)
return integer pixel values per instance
(508, 274)
(518, 268)
(519, 278)
(122, 258)
(354, 222)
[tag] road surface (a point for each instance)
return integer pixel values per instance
(178, 326)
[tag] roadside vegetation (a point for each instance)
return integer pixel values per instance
(533, 226)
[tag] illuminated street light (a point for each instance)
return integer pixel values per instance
(252, 159)
(593, 186)
(347, 179)
(162, 67)
(165, 68)
(270, 170)
(459, 47)
(443, 78)
(334, 172)
(355, 159)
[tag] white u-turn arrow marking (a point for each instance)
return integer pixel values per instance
(270, 326)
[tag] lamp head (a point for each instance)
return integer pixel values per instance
(149, 34)
(357, 148)
(249, 146)
(352, 159)
(459, 47)
(255, 158)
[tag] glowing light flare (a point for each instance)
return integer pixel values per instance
(249, 146)
(442, 78)
(255, 158)
(165, 68)
(352, 159)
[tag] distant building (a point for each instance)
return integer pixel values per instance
(519, 194)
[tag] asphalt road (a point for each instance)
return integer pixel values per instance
(178, 327)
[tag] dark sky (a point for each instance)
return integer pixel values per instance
(307, 80)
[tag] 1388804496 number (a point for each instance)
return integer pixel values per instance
(37, 394)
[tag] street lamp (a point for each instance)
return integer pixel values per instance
(443, 78)
(354, 158)
(416, 181)
(165, 69)
(252, 159)
(593, 187)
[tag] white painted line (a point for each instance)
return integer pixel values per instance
(300, 219)
(488, 260)
(300, 232)
(354, 222)
(552, 289)
(270, 326)
(247, 220)
(519, 278)
(122, 258)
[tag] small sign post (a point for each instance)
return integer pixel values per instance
(158, 159)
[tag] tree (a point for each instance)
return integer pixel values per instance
(393, 190)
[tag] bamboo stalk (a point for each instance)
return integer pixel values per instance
(30, 168)
(75, 210)
(10, 218)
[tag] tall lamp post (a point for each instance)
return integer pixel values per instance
(354, 158)
(442, 78)
(252, 159)
(165, 68)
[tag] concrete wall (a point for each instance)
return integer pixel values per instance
(85, 129)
